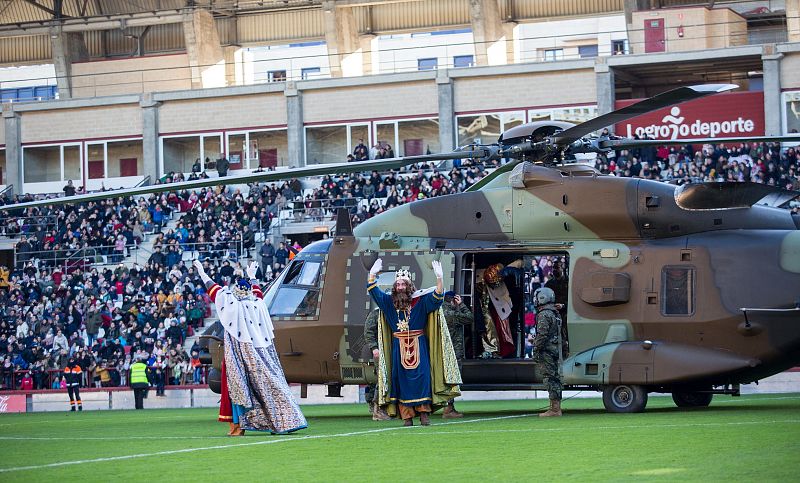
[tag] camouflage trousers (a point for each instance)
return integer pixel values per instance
(371, 393)
(457, 336)
(548, 363)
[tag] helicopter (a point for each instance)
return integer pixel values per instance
(690, 290)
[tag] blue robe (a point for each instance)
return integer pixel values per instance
(411, 387)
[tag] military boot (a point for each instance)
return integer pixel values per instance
(379, 414)
(555, 409)
(451, 413)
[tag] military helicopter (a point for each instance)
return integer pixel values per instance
(689, 290)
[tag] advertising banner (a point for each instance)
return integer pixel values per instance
(12, 403)
(732, 114)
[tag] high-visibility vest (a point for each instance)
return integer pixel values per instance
(138, 373)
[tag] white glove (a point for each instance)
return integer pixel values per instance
(376, 268)
(201, 271)
(251, 270)
(437, 269)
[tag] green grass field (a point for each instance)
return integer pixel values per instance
(752, 438)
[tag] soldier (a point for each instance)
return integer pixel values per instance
(559, 284)
(371, 339)
(545, 346)
(458, 316)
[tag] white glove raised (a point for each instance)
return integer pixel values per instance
(251, 270)
(201, 271)
(376, 268)
(437, 269)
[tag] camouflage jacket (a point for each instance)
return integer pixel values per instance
(456, 315)
(548, 328)
(371, 329)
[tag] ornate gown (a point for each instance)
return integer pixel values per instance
(261, 398)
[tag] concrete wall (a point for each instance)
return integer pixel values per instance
(222, 113)
(790, 70)
(702, 29)
(131, 76)
(84, 123)
(525, 90)
(372, 101)
(2, 132)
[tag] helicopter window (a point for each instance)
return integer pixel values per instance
(678, 290)
(295, 293)
(303, 272)
(298, 302)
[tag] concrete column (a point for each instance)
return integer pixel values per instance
(13, 123)
(447, 130)
(365, 45)
(66, 49)
(294, 125)
(606, 94)
(771, 65)
(488, 34)
(341, 36)
(793, 20)
(150, 136)
(206, 58)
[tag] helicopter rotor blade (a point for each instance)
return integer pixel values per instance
(634, 143)
(260, 177)
(730, 195)
(669, 98)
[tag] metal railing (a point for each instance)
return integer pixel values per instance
(26, 224)
(43, 380)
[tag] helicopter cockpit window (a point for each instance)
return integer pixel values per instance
(678, 290)
(296, 291)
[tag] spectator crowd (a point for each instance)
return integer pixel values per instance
(69, 294)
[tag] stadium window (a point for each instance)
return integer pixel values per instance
(575, 115)
(587, 51)
(309, 73)
(178, 153)
(326, 144)
(480, 128)
(427, 64)
(553, 54)
(254, 149)
(277, 76)
(54, 163)
(677, 290)
(791, 112)
(618, 47)
(463, 61)
(28, 94)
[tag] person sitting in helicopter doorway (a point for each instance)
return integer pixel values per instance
(458, 316)
(371, 341)
(417, 368)
(546, 347)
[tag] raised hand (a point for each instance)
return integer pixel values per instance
(437, 269)
(252, 269)
(376, 268)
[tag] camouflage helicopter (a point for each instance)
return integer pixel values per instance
(689, 290)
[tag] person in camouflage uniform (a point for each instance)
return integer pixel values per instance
(546, 346)
(371, 340)
(458, 317)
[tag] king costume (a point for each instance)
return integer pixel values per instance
(255, 394)
(417, 366)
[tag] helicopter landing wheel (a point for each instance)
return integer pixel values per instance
(688, 399)
(624, 398)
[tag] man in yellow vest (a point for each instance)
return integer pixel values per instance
(139, 383)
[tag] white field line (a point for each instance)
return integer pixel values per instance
(255, 443)
(654, 401)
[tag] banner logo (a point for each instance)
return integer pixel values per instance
(672, 127)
